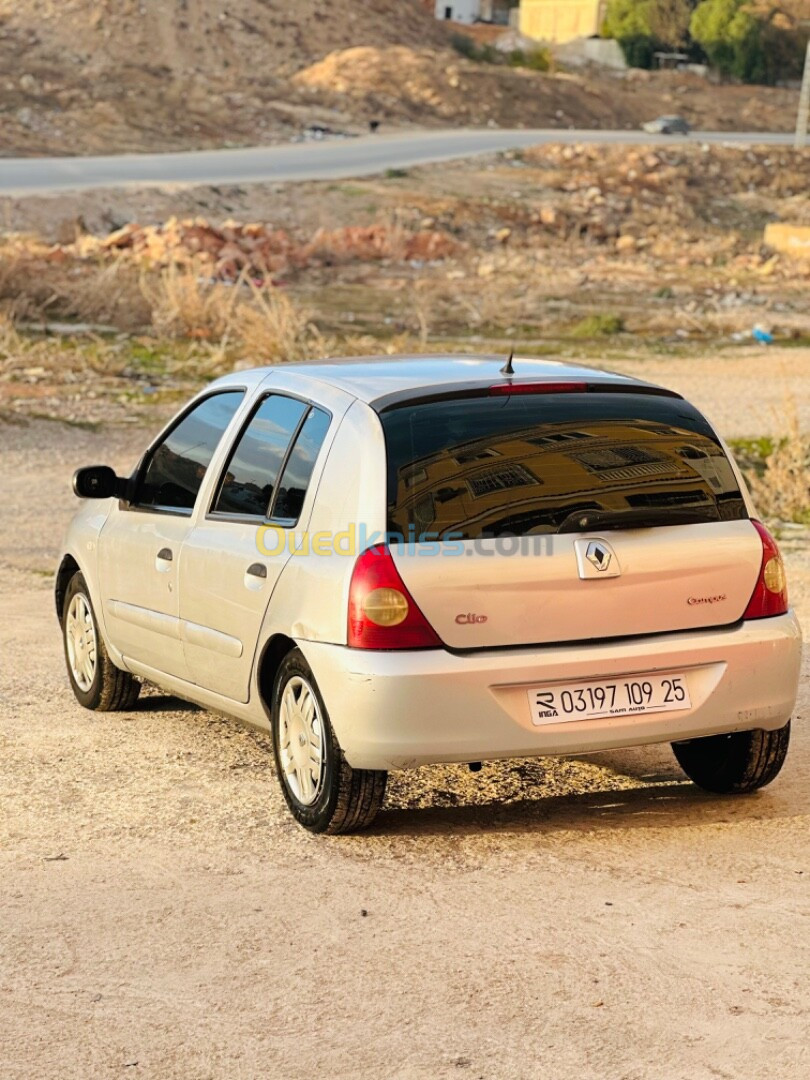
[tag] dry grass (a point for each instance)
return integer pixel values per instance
(272, 327)
(183, 305)
(108, 293)
(246, 320)
(26, 288)
(37, 287)
(781, 490)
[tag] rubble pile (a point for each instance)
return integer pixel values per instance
(229, 250)
(671, 202)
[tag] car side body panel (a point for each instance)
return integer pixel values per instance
(81, 545)
(311, 599)
(223, 602)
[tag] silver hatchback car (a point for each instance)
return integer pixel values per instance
(392, 562)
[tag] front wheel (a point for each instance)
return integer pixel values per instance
(97, 683)
(323, 792)
(734, 764)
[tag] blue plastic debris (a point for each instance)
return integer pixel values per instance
(762, 336)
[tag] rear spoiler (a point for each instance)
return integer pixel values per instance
(508, 387)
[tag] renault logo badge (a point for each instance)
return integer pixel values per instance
(599, 555)
(596, 560)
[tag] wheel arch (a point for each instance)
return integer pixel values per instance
(67, 568)
(270, 658)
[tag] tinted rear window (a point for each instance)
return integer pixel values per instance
(523, 465)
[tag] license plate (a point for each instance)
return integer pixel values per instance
(626, 695)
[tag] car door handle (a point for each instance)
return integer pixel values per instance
(258, 570)
(165, 554)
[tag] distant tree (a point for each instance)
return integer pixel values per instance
(728, 34)
(669, 21)
(752, 40)
(627, 19)
(643, 27)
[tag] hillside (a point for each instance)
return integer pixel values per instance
(259, 38)
(110, 76)
(75, 74)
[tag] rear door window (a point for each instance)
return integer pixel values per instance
(292, 487)
(272, 463)
(520, 465)
(249, 481)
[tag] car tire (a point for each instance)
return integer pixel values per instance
(734, 764)
(97, 683)
(323, 792)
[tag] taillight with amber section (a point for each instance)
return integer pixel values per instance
(382, 613)
(770, 596)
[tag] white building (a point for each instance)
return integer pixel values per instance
(470, 11)
(462, 11)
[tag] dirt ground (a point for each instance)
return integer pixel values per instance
(162, 915)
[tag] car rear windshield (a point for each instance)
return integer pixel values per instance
(519, 465)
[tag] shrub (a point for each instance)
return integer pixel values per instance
(604, 324)
(639, 50)
(746, 46)
(465, 46)
(777, 471)
(536, 59)
(539, 59)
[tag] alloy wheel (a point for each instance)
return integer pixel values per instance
(301, 740)
(82, 644)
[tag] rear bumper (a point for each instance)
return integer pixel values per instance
(399, 710)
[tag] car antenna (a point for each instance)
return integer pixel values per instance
(507, 368)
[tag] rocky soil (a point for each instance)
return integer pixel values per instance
(514, 248)
(87, 77)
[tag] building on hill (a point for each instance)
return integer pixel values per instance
(561, 20)
(471, 11)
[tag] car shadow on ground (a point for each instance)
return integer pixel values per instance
(156, 703)
(625, 789)
(622, 790)
(657, 806)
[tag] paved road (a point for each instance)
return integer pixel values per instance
(328, 160)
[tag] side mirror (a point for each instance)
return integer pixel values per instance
(96, 482)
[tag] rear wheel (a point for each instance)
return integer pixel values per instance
(97, 683)
(323, 792)
(734, 764)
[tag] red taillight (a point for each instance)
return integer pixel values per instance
(770, 595)
(500, 389)
(382, 613)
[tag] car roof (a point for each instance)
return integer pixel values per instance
(382, 380)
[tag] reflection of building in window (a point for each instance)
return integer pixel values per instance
(543, 476)
(560, 436)
(501, 478)
(626, 463)
(411, 478)
(475, 455)
(600, 460)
